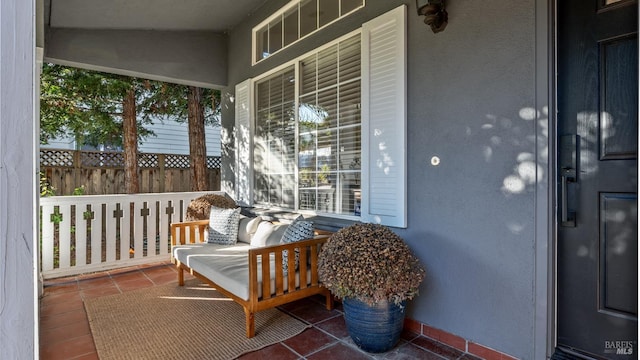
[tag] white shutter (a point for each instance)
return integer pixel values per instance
(384, 173)
(243, 143)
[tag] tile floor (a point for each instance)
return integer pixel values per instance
(65, 332)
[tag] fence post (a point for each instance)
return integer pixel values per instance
(77, 166)
(161, 165)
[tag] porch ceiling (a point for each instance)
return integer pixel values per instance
(207, 15)
(175, 41)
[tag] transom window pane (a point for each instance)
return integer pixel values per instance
(308, 17)
(291, 26)
(296, 21)
(329, 10)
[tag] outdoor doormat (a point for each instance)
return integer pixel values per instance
(174, 322)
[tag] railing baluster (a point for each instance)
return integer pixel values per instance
(96, 234)
(47, 238)
(152, 228)
(81, 235)
(125, 231)
(138, 230)
(110, 231)
(64, 237)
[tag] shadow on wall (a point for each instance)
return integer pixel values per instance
(526, 170)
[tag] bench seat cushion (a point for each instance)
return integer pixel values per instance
(226, 265)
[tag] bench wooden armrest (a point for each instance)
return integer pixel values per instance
(188, 232)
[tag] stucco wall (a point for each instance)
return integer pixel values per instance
(472, 96)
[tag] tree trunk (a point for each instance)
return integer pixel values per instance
(197, 146)
(130, 142)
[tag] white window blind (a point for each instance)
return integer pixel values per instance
(275, 139)
(243, 143)
(384, 191)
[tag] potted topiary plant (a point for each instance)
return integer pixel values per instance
(374, 272)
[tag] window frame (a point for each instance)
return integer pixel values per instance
(280, 15)
(296, 66)
(383, 118)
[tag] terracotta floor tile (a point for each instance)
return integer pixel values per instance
(438, 348)
(57, 320)
(61, 280)
(334, 326)
(94, 282)
(309, 341)
(314, 313)
(62, 288)
(134, 284)
(91, 356)
(70, 349)
(159, 271)
(50, 298)
(128, 276)
(409, 335)
(165, 279)
(61, 307)
(408, 351)
(276, 351)
(110, 289)
(339, 351)
(67, 332)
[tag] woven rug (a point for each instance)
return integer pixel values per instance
(174, 322)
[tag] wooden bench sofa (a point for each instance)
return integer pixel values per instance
(237, 271)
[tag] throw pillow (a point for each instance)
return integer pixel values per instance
(223, 226)
(247, 227)
(299, 229)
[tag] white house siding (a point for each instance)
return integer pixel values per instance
(171, 137)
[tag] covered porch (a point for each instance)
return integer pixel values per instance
(65, 332)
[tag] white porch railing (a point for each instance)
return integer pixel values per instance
(81, 234)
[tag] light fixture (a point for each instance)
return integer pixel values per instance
(434, 14)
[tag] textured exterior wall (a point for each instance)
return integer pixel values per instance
(18, 188)
(472, 103)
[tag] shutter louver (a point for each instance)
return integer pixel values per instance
(384, 197)
(243, 143)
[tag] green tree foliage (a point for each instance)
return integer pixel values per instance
(167, 100)
(87, 105)
(96, 108)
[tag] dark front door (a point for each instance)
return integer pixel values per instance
(597, 245)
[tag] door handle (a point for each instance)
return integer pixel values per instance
(567, 218)
(569, 146)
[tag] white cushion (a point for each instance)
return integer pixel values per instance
(223, 226)
(267, 234)
(227, 266)
(247, 227)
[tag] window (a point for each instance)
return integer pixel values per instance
(297, 20)
(324, 156)
(274, 154)
(329, 144)
(328, 130)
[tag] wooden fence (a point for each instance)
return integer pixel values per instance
(101, 172)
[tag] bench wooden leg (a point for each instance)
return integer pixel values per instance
(329, 298)
(180, 276)
(250, 323)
